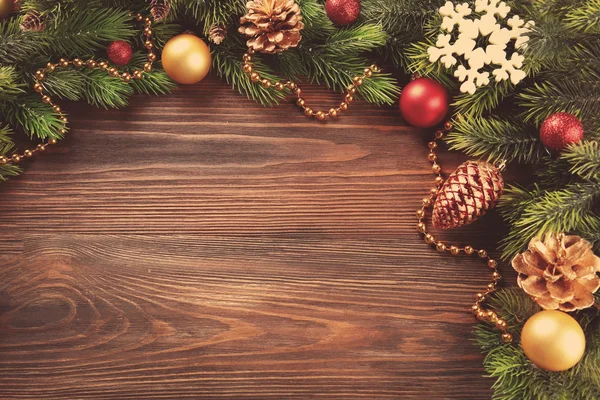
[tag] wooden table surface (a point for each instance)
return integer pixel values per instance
(199, 246)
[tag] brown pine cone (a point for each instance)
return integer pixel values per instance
(468, 193)
(160, 9)
(217, 34)
(32, 22)
(560, 272)
(272, 25)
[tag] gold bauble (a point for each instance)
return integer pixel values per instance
(186, 59)
(553, 340)
(7, 7)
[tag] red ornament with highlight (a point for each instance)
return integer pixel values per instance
(424, 103)
(343, 12)
(119, 52)
(560, 130)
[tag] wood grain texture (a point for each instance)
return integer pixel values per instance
(199, 246)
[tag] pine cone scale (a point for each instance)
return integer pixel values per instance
(560, 272)
(272, 26)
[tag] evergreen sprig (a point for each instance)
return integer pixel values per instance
(10, 87)
(33, 117)
(497, 139)
(570, 209)
(585, 17)
(584, 160)
(6, 145)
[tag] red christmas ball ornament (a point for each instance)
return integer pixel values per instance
(343, 12)
(560, 130)
(119, 52)
(424, 103)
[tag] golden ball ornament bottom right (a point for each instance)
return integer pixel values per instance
(553, 340)
(186, 59)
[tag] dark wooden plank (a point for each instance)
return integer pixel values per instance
(200, 246)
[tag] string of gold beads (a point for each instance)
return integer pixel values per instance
(333, 112)
(78, 63)
(478, 309)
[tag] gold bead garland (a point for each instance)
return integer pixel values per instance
(320, 115)
(41, 74)
(478, 309)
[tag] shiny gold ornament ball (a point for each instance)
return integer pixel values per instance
(186, 59)
(553, 340)
(7, 7)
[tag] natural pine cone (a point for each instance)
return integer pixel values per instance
(217, 34)
(468, 193)
(160, 9)
(272, 25)
(560, 272)
(32, 22)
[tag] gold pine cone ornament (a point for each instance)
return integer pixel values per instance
(559, 272)
(272, 25)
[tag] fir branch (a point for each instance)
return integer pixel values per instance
(354, 40)
(210, 12)
(404, 21)
(33, 117)
(554, 173)
(582, 65)
(6, 145)
(580, 98)
(335, 62)
(65, 84)
(551, 43)
(83, 32)
(485, 99)
(161, 33)
(584, 159)
(102, 90)
(226, 61)
(317, 26)
(585, 17)
(565, 210)
(516, 200)
(154, 83)
(497, 139)
(16, 46)
(10, 88)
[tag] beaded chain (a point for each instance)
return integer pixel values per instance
(39, 88)
(333, 112)
(478, 309)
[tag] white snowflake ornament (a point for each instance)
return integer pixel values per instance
(484, 23)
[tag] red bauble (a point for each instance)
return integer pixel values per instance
(560, 130)
(119, 52)
(343, 12)
(424, 103)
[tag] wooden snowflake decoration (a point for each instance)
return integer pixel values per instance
(485, 23)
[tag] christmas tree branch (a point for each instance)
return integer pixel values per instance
(33, 117)
(584, 160)
(585, 17)
(564, 210)
(10, 88)
(498, 139)
(6, 145)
